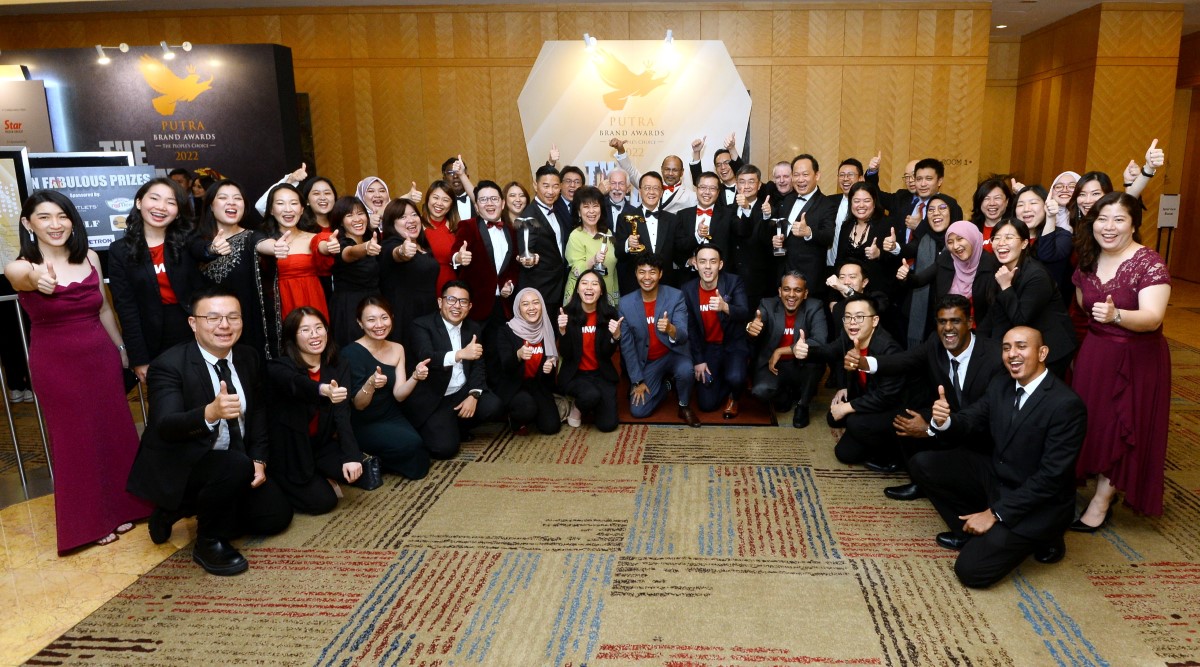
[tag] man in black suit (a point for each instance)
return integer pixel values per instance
(717, 315)
(1020, 499)
(779, 379)
(850, 171)
(205, 448)
(726, 164)
(543, 266)
(751, 236)
(704, 224)
(810, 216)
(952, 357)
(656, 231)
(616, 205)
(907, 214)
(454, 398)
(454, 172)
(867, 404)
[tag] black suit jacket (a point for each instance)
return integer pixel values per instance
(808, 257)
(685, 238)
(506, 372)
(294, 399)
(663, 245)
(882, 393)
(549, 275)
(900, 205)
(137, 300)
(431, 341)
(177, 435)
(810, 317)
(1032, 300)
(750, 255)
(606, 212)
(733, 324)
(1034, 455)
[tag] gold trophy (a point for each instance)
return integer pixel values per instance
(633, 221)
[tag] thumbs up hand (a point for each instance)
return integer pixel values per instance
(297, 177)
(766, 209)
(562, 321)
(220, 244)
(333, 392)
(718, 303)
(1004, 277)
(889, 244)
(873, 165)
(800, 227)
(333, 245)
(1132, 171)
(47, 281)
(1154, 157)
(800, 348)
(421, 371)
(614, 328)
(871, 251)
(224, 406)
(755, 326)
(941, 407)
(409, 249)
(464, 255)
(902, 272)
(698, 147)
(854, 361)
(372, 246)
(470, 351)
(281, 247)
(1105, 311)
(524, 353)
(378, 379)
(664, 325)
(414, 195)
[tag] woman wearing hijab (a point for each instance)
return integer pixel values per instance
(522, 369)
(963, 268)
(373, 193)
(923, 250)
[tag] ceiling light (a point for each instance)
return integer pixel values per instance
(1002, 26)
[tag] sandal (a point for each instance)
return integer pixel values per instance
(108, 539)
(124, 528)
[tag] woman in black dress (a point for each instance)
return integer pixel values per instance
(312, 440)
(521, 368)
(408, 272)
(355, 267)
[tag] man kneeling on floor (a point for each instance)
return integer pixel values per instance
(1019, 500)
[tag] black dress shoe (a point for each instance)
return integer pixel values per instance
(904, 492)
(1080, 527)
(160, 524)
(688, 416)
(800, 416)
(1051, 553)
(951, 540)
(884, 467)
(218, 557)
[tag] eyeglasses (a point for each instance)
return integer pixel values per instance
(854, 319)
(456, 301)
(213, 320)
(723, 163)
(1063, 187)
(313, 330)
(488, 200)
(706, 188)
(1007, 238)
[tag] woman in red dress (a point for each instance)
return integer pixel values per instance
(75, 359)
(451, 241)
(296, 252)
(1123, 371)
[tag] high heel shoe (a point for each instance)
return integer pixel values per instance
(1080, 527)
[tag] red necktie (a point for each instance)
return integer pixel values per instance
(704, 211)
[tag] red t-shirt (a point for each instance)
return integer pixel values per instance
(987, 239)
(165, 292)
(587, 358)
(713, 333)
(533, 365)
(315, 376)
(657, 349)
(789, 334)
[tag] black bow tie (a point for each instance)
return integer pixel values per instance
(463, 199)
(650, 214)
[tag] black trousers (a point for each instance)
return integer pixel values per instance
(594, 394)
(728, 377)
(315, 495)
(796, 383)
(868, 437)
(957, 483)
(442, 431)
(533, 404)
(218, 492)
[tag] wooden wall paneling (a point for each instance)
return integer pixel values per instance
(508, 137)
(1131, 29)
(896, 139)
(520, 34)
(858, 131)
(1186, 244)
(1189, 61)
(453, 35)
(806, 111)
(399, 108)
(391, 35)
(815, 32)
(360, 105)
(746, 33)
(318, 36)
(654, 25)
(599, 24)
(453, 96)
(1177, 161)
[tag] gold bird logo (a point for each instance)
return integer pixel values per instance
(172, 88)
(624, 82)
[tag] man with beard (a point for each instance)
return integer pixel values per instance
(954, 357)
(676, 195)
(779, 379)
(454, 172)
(868, 404)
(717, 312)
(1018, 500)
(616, 205)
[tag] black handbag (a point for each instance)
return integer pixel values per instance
(372, 474)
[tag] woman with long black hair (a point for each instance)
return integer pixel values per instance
(589, 331)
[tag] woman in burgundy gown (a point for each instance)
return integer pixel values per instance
(1123, 372)
(75, 360)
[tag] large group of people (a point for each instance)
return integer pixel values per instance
(999, 357)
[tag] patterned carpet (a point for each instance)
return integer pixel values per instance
(662, 545)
